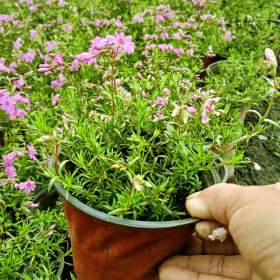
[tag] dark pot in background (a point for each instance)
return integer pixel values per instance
(107, 247)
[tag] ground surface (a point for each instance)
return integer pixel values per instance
(264, 152)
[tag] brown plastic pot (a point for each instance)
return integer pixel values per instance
(106, 247)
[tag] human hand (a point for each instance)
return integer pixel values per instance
(252, 217)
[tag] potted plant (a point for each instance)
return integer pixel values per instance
(126, 153)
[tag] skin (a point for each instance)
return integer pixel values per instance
(251, 250)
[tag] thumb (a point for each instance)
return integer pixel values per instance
(252, 216)
(220, 202)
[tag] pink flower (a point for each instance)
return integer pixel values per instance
(191, 110)
(67, 27)
(177, 36)
(209, 105)
(150, 46)
(8, 103)
(58, 59)
(166, 91)
(165, 47)
(164, 35)
(106, 22)
(17, 43)
(32, 8)
(207, 17)
(228, 36)
(205, 93)
(31, 152)
(50, 45)
(13, 66)
(27, 186)
(138, 19)
(153, 37)
(118, 23)
(8, 161)
(204, 118)
(97, 22)
(199, 3)
(29, 56)
(122, 43)
(86, 57)
(6, 18)
(161, 100)
(61, 3)
(222, 22)
(57, 84)
(146, 37)
(159, 18)
(98, 44)
(10, 171)
(55, 99)
(159, 113)
(18, 83)
(191, 52)
(75, 65)
(178, 51)
(45, 68)
(31, 204)
(3, 67)
(32, 34)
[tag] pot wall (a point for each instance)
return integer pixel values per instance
(106, 251)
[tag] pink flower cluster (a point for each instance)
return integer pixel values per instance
(138, 18)
(209, 108)
(8, 161)
(118, 43)
(58, 83)
(207, 17)
(9, 103)
(199, 3)
(6, 18)
(10, 170)
(107, 22)
(18, 83)
(31, 152)
(29, 56)
(48, 66)
(3, 67)
(27, 186)
(170, 48)
(50, 45)
(161, 100)
(163, 12)
(17, 43)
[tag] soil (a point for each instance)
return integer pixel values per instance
(263, 152)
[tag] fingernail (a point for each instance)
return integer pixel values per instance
(194, 195)
(197, 207)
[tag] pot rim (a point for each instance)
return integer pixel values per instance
(129, 222)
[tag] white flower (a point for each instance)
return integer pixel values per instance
(139, 183)
(218, 234)
(257, 167)
(271, 57)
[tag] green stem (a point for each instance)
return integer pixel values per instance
(113, 83)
